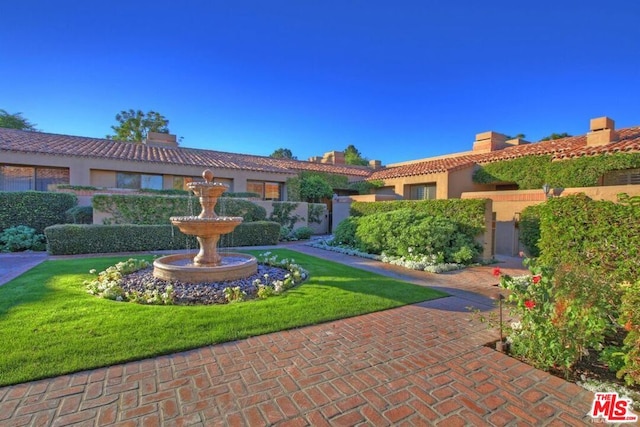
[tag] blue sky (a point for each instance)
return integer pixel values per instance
(399, 80)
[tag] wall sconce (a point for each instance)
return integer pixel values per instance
(546, 188)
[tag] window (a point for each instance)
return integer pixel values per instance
(266, 190)
(271, 191)
(137, 181)
(622, 177)
(24, 178)
(422, 192)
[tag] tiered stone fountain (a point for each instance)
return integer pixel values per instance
(208, 265)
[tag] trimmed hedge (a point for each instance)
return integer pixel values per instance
(35, 209)
(600, 235)
(148, 210)
(467, 213)
(70, 239)
(257, 233)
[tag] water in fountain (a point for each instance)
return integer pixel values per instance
(208, 265)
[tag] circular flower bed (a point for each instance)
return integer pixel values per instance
(133, 281)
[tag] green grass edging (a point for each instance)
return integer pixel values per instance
(51, 326)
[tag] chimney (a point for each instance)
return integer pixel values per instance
(601, 132)
(157, 139)
(334, 157)
(487, 142)
(516, 141)
(375, 164)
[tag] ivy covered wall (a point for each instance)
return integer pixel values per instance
(532, 172)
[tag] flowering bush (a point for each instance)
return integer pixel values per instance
(108, 284)
(267, 287)
(561, 314)
(234, 294)
(433, 263)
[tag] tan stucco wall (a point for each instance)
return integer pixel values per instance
(401, 185)
(94, 171)
(461, 181)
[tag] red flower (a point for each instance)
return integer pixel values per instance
(628, 326)
(496, 272)
(536, 279)
(529, 304)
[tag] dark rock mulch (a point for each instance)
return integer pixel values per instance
(201, 293)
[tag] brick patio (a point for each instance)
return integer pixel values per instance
(423, 364)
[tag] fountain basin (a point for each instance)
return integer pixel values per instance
(197, 226)
(180, 267)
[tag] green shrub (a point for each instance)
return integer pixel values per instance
(239, 207)
(303, 233)
(35, 209)
(530, 229)
(630, 318)
(241, 194)
(601, 235)
(257, 233)
(79, 215)
(406, 231)
(467, 213)
(82, 239)
(345, 234)
(285, 234)
(21, 238)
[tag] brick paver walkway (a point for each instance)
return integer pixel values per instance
(423, 364)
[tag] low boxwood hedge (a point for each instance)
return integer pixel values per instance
(70, 239)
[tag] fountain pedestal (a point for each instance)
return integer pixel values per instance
(208, 265)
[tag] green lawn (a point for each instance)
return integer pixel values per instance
(50, 326)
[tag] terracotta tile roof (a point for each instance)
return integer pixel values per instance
(77, 146)
(447, 164)
(628, 142)
(575, 146)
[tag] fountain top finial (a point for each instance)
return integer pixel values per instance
(207, 175)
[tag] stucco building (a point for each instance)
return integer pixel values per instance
(36, 160)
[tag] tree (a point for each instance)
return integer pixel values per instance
(520, 136)
(15, 121)
(283, 153)
(353, 157)
(134, 126)
(314, 188)
(556, 136)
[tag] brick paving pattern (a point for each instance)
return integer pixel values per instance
(423, 364)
